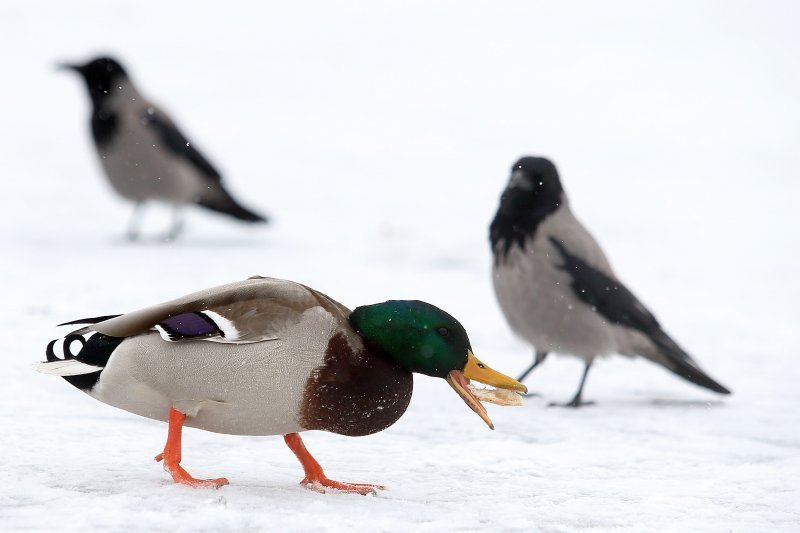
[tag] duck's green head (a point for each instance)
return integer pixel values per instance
(422, 338)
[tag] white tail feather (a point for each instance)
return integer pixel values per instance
(68, 367)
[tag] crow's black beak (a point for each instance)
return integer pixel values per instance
(69, 66)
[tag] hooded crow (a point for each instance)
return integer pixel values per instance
(557, 289)
(144, 154)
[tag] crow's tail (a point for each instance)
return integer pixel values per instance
(672, 357)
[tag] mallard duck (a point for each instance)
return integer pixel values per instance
(267, 356)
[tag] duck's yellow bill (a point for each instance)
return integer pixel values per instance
(478, 371)
(474, 369)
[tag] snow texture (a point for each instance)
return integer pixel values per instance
(379, 137)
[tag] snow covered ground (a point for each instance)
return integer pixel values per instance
(379, 137)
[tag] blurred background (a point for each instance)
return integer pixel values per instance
(378, 136)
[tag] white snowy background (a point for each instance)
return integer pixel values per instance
(379, 136)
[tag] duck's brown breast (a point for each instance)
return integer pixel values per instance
(355, 394)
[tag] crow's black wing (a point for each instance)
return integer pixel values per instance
(607, 295)
(173, 140)
(612, 300)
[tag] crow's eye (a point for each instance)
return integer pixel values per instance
(444, 332)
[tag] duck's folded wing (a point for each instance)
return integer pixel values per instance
(253, 310)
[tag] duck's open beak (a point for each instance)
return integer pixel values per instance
(478, 371)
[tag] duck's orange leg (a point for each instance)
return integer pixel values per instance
(172, 456)
(315, 478)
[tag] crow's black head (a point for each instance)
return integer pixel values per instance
(533, 192)
(100, 76)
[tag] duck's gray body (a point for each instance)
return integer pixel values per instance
(557, 289)
(257, 357)
(246, 389)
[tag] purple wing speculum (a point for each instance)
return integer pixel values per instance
(189, 326)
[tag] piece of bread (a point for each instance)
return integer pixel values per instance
(496, 396)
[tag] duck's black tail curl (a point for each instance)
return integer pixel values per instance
(84, 321)
(80, 368)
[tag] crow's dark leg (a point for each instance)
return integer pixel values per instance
(538, 358)
(177, 224)
(136, 219)
(576, 400)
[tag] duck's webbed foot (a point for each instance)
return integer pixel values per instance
(316, 479)
(172, 456)
(320, 484)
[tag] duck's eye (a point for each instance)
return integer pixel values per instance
(444, 332)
